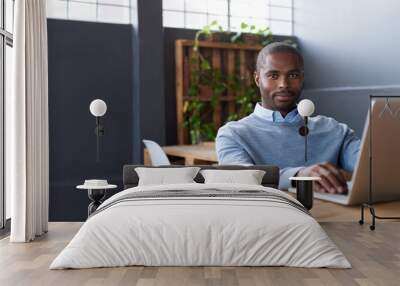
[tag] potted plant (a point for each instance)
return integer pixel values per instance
(211, 83)
(249, 34)
(212, 32)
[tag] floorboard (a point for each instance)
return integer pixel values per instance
(375, 257)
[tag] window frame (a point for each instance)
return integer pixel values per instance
(268, 20)
(6, 39)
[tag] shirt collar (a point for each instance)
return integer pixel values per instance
(275, 116)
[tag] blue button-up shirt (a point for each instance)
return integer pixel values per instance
(265, 137)
(276, 116)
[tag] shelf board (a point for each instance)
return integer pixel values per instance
(220, 45)
(221, 98)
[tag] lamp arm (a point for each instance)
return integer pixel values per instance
(97, 126)
(305, 137)
(99, 131)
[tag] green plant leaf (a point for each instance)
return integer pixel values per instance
(193, 90)
(205, 65)
(235, 38)
(214, 23)
(198, 33)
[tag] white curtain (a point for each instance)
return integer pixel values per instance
(27, 146)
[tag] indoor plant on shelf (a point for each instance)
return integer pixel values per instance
(211, 83)
(250, 34)
(202, 77)
(246, 96)
(212, 32)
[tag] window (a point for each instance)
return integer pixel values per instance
(6, 43)
(194, 14)
(106, 11)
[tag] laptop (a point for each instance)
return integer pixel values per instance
(386, 158)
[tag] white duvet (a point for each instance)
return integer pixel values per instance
(200, 231)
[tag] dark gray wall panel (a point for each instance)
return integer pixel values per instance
(170, 35)
(87, 61)
(148, 85)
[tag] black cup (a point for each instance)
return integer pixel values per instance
(304, 192)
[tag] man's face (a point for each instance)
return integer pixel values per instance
(280, 80)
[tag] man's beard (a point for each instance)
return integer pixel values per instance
(285, 100)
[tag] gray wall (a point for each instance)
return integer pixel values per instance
(351, 51)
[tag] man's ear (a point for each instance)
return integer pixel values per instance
(257, 78)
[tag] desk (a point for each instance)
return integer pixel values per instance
(203, 153)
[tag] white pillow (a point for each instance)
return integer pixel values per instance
(163, 176)
(248, 177)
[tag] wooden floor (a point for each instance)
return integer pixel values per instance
(374, 255)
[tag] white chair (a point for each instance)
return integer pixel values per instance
(156, 153)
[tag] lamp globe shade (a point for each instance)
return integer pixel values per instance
(98, 107)
(305, 107)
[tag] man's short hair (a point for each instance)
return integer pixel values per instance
(277, 47)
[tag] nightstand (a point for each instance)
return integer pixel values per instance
(96, 193)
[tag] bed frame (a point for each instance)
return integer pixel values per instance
(270, 179)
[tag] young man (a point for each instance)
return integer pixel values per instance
(270, 135)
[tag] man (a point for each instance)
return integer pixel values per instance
(270, 135)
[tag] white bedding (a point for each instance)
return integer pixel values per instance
(200, 231)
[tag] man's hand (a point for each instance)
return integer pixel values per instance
(333, 180)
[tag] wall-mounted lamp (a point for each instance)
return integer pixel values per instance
(305, 108)
(98, 108)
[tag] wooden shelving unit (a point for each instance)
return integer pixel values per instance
(231, 59)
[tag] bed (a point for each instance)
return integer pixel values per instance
(197, 224)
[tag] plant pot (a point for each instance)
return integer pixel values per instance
(216, 37)
(251, 39)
